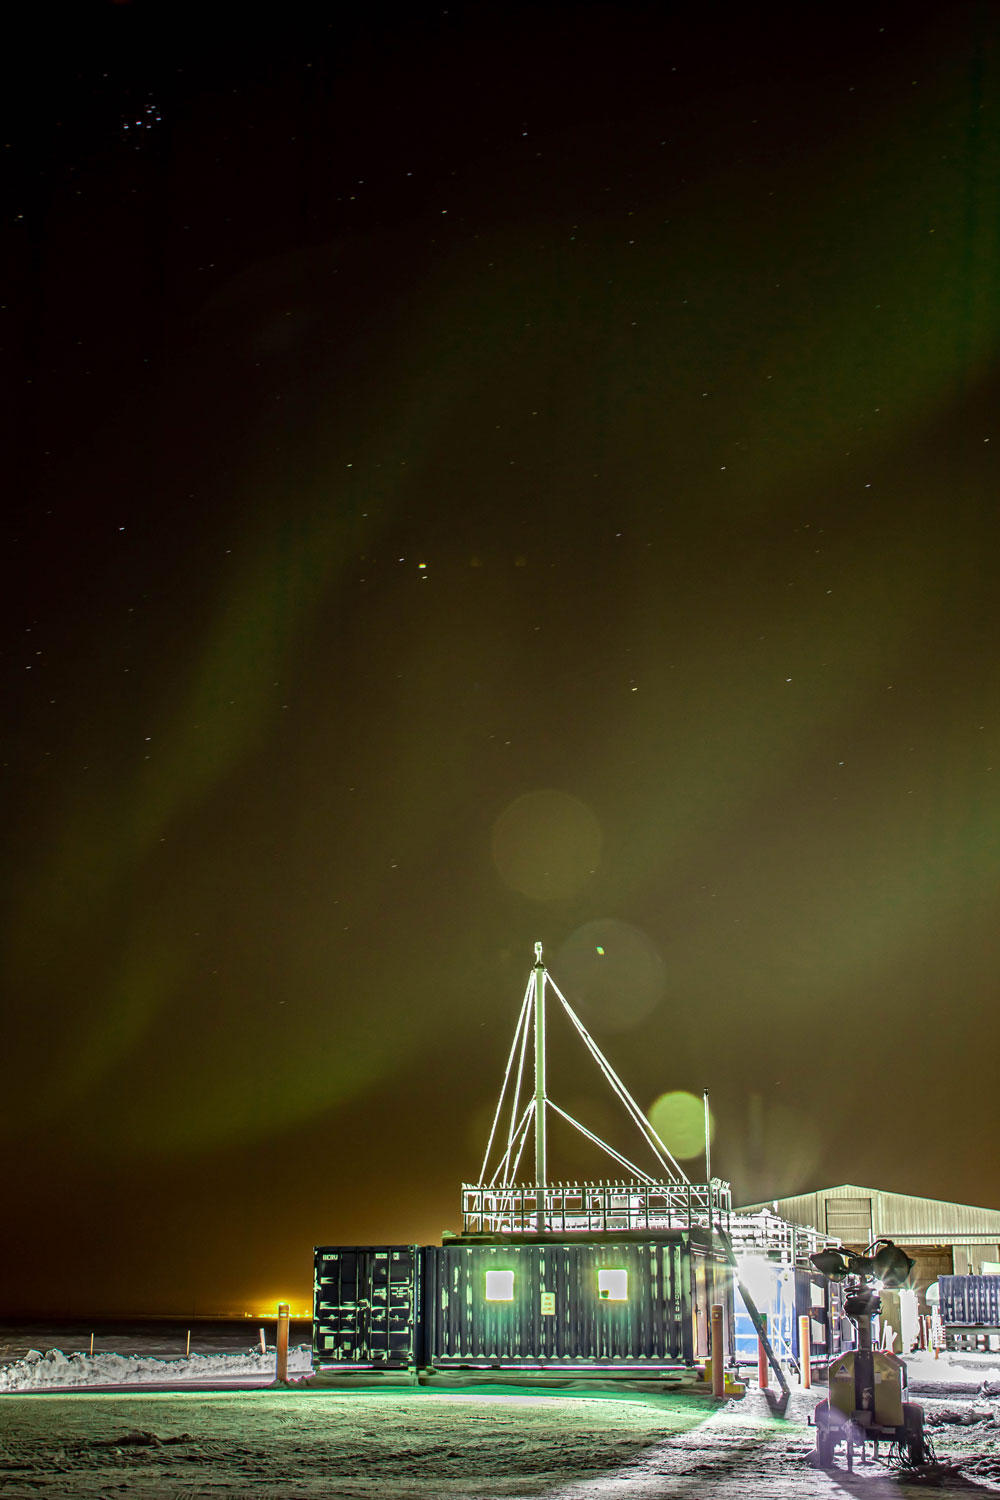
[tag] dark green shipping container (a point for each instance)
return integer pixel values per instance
(529, 1302)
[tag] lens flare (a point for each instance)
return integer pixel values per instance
(611, 972)
(679, 1120)
(546, 844)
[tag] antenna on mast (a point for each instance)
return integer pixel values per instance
(540, 1099)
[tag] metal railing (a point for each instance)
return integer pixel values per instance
(766, 1234)
(594, 1207)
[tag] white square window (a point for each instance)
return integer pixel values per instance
(499, 1286)
(612, 1286)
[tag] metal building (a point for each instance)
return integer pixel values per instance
(943, 1238)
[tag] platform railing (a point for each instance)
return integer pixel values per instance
(594, 1207)
(767, 1234)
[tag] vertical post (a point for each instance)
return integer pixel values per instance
(762, 1357)
(708, 1152)
(91, 1346)
(281, 1361)
(718, 1347)
(864, 1367)
(805, 1351)
(187, 1351)
(540, 1083)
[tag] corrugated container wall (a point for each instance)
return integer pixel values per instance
(523, 1303)
(540, 1302)
(970, 1301)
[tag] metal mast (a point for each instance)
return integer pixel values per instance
(531, 1022)
(658, 1197)
(540, 1100)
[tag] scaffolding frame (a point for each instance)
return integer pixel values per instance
(594, 1207)
(769, 1236)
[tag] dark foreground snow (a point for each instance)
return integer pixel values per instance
(473, 1444)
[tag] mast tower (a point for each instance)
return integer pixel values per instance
(659, 1194)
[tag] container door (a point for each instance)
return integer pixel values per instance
(701, 1310)
(365, 1307)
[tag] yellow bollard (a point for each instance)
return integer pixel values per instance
(718, 1350)
(281, 1364)
(805, 1352)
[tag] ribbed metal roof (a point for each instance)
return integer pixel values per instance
(898, 1216)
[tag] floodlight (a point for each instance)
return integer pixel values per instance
(892, 1265)
(830, 1263)
(759, 1277)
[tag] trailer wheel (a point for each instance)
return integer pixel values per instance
(826, 1440)
(825, 1445)
(913, 1427)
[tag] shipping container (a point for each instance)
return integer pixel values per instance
(970, 1301)
(533, 1303)
(366, 1310)
(525, 1303)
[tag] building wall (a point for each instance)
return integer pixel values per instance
(942, 1238)
(897, 1216)
(974, 1260)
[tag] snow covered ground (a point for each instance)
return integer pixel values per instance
(436, 1443)
(163, 1338)
(55, 1370)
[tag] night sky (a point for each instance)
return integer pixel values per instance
(480, 475)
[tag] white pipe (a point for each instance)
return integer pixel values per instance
(621, 1160)
(506, 1077)
(539, 979)
(654, 1142)
(504, 1160)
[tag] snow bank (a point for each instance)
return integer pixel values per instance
(55, 1370)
